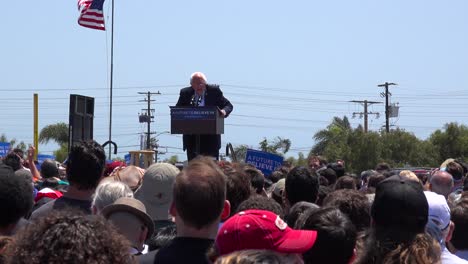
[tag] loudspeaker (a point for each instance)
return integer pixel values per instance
(81, 115)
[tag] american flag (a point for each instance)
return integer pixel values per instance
(91, 14)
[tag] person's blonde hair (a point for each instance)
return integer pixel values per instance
(409, 175)
(420, 250)
(253, 256)
(423, 249)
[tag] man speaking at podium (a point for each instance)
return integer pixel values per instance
(202, 94)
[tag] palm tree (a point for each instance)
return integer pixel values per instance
(59, 133)
(279, 144)
(56, 132)
(337, 131)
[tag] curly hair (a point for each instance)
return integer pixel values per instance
(16, 197)
(69, 237)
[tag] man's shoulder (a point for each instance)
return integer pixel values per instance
(213, 88)
(148, 257)
(186, 90)
(44, 210)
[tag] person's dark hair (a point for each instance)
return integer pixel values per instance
(459, 216)
(26, 174)
(237, 187)
(357, 180)
(422, 176)
(69, 237)
(19, 152)
(338, 168)
(12, 160)
(297, 210)
(162, 238)
(391, 173)
(277, 175)
(259, 202)
(50, 183)
(400, 214)
(16, 196)
(335, 233)
(366, 174)
(465, 185)
(382, 167)
(353, 203)
(86, 164)
(301, 185)
(330, 175)
(374, 180)
(49, 169)
(323, 192)
(455, 169)
(257, 180)
(323, 181)
(345, 182)
(200, 192)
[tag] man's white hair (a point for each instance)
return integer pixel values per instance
(108, 192)
(198, 74)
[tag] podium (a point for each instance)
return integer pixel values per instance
(147, 155)
(202, 120)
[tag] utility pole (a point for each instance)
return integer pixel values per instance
(365, 103)
(387, 107)
(148, 117)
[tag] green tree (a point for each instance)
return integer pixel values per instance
(332, 141)
(239, 153)
(451, 142)
(364, 150)
(300, 161)
(21, 145)
(58, 133)
(277, 146)
(173, 159)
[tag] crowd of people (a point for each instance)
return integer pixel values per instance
(87, 211)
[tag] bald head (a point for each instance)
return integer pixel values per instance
(441, 183)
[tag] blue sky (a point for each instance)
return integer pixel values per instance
(288, 67)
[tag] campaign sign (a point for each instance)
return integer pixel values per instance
(127, 159)
(41, 158)
(4, 148)
(264, 161)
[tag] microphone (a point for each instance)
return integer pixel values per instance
(192, 101)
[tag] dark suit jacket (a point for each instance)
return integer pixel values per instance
(213, 97)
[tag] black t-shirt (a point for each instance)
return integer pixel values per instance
(60, 204)
(185, 250)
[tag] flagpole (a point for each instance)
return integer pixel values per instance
(111, 79)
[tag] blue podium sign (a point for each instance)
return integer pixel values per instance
(4, 148)
(264, 161)
(194, 114)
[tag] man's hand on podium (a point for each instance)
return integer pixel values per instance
(223, 112)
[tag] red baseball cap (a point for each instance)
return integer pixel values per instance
(260, 229)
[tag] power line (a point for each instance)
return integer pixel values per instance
(365, 103)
